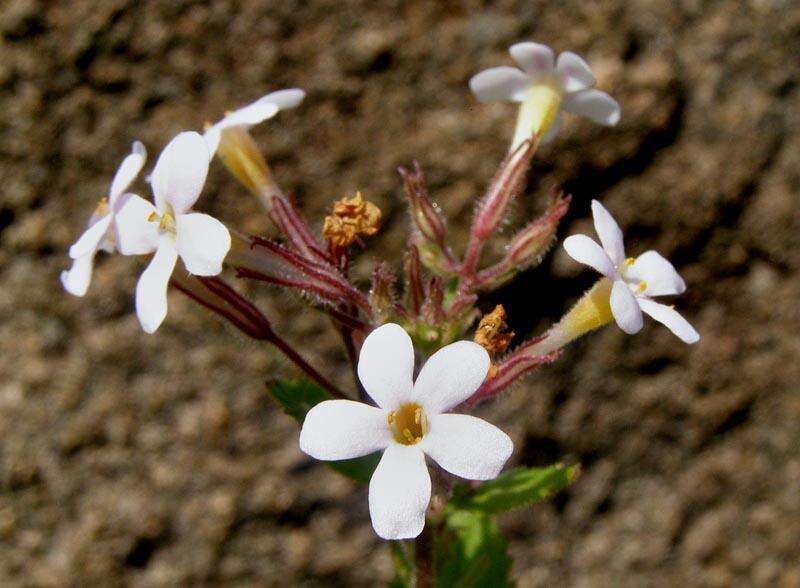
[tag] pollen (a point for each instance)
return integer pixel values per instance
(630, 261)
(641, 287)
(408, 424)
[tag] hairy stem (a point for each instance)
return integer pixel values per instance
(220, 298)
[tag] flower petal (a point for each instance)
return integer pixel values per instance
(450, 376)
(211, 136)
(386, 365)
(203, 242)
(76, 280)
(670, 318)
(660, 275)
(467, 446)
(499, 83)
(609, 232)
(575, 73)
(343, 429)
(285, 99)
(250, 115)
(585, 250)
(536, 59)
(594, 105)
(180, 172)
(89, 241)
(151, 290)
(136, 234)
(127, 172)
(399, 492)
(625, 308)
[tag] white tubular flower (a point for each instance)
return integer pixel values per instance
(634, 281)
(170, 228)
(410, 421)
(544, 87)
(101, 230)
(257, 112)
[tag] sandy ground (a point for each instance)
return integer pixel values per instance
(138, 460)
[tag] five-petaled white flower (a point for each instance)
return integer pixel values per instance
(635, 281)
(253, 114)
(101, 231)
(544, 86)
(169, 228)
(409, 422)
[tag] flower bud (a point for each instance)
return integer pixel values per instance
(414, 290)
(432, 308)
(529, 244)
(424, 212)
(382, 292)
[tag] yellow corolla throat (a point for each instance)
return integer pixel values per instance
(537, 112)
(408, 423)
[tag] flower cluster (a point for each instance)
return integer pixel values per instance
(432, 306)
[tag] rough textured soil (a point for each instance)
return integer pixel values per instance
(138, 460)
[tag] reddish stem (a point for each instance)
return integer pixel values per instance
(242, 314)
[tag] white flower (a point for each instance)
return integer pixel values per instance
(635, 281)
(544, 86)
(409, 422)
(170, 228)
(253, 114)
(101, 230)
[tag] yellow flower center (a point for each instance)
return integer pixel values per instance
(641, 286)
(408, 423)
(166, 222)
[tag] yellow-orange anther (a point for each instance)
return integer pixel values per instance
(352, 217)
(491, 333)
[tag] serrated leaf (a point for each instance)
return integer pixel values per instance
(515, 489)
(296, 398)
(471, 552)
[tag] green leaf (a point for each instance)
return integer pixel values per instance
(297, 397)
(515, 489)
(471, 552)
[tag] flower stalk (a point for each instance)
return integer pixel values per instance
(218, 297)
(493, 207)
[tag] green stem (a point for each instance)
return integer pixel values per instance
(423, 556)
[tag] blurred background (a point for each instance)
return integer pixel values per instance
(128, 459)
